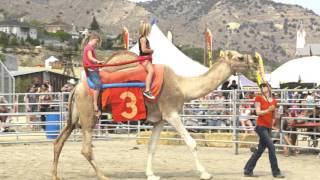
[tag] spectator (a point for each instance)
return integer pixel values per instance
(310, 99)
(219, 110)
(233, 85)
(50, 88)
(31, 98)
(44, 98)
(225, 87)
(220, 100)
(294, 110)
(315, 129)
(287, 137)
(244, 119)
(68, 87)
(4, 108)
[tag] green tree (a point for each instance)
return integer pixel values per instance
(4, 39)
(35, 23)
(22, 42)
(29, 40)
(13, 41)
(64, 36)
(193, 52)
(33, 42)
(22, 84)
(107, 44)
(2, 57)
(94, 24)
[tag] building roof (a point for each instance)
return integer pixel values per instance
(30, 70)
(13, 23)
(58, 23)
(309, 50)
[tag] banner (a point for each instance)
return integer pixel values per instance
(169, 36)
(208, 47)
(127, 104)
(125, 36)
(260, 72)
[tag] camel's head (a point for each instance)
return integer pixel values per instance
(239, 62)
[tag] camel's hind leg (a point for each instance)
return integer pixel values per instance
(175, 120)
(152, 147)
(57, 147)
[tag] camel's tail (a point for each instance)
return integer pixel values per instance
(70, 104)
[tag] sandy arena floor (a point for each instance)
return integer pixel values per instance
(120, 160)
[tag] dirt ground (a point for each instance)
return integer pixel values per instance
(123, 159)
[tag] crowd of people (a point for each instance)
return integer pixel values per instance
(293, 109)
(38, 98)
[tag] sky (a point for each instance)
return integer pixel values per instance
(309, 4)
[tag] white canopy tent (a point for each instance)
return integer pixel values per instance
(47, 62)
(166, 53)
(306, 69)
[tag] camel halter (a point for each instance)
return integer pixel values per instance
(232, 66)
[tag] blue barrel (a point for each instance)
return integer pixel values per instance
(52, 125)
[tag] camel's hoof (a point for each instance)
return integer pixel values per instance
(153, 177)
(103, 178)
(205, 176)
(55, 178)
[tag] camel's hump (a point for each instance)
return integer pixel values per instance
(119, 57)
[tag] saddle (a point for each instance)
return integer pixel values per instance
(127, 102)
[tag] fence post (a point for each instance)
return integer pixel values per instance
(234, 122)
(284, 96)
(61, 109)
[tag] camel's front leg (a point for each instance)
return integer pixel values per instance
(175, 120)
(87, 151)
(152, 147)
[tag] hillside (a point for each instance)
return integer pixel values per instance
(257, 25)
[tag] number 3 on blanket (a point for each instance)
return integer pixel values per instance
(131, 104)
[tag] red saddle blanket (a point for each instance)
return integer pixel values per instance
(127, 103)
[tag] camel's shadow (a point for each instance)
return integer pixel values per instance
(142, 175)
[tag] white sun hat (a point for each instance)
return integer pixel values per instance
(72, 81)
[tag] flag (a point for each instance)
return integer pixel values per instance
(260, 72)
(125, 38)
(208, 45)
(153, 21)
(169, 36)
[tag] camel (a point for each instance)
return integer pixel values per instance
(176, 90)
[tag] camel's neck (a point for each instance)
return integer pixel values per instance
(200, 86)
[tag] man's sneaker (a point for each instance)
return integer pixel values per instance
(249, 175)
(148, 95)
(253, 149)
(278, 176)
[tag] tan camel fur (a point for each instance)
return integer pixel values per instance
(176, 90)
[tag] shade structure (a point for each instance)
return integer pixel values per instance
(306, 69)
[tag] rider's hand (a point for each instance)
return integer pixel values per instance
(100, 62)
(271, 108)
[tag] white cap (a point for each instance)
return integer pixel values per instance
(72, 81)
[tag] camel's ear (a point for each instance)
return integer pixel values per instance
(230, 54)
(257, 57)
(222, 54)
